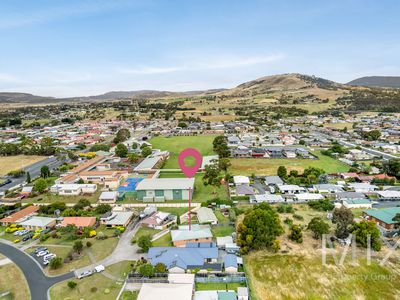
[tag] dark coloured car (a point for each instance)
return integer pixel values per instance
(27, 237)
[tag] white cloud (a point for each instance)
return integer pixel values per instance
(220, 62)
(9, 78)
(57, 12)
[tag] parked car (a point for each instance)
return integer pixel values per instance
(85, 274)
(42, 253)
(49, 257)
(99, 269)
(16, 241)
(27, 237)
(21, 232)
(40, 249)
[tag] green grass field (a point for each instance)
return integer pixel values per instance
(175, 144)
(248, 166)
(202, 193)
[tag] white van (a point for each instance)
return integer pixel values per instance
(99, 268)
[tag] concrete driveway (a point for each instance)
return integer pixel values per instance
(38, 282)
(125, 251)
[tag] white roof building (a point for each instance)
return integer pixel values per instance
(206, 215)
(157, 291)
(304, 197)
(238, 180)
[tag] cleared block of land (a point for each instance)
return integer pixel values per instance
(175, 144)
(13, 280)
(269, 166)
(11, 163)
(277, 276)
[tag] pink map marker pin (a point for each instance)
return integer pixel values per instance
(190, 171)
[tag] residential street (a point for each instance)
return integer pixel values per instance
(34, 171)
(38, 282)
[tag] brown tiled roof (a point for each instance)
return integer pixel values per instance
(20, 214)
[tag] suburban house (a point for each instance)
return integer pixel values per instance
(19, 216)
(290, 189)
(273, 180)
(388, 195)
(158, 220)
(80, 222)
(181, 259)
(73, 189)
(305, 197)
(109, 178)
(230, 263)
(269, 198)
(35, 222)
(241, 180)
(197, 234)
(161, 189)
(116, 218)
(26, 191)
(383, 217)
(349, 196)
(206, 215)
(357, 203)
(108, 197)
(362, 187)
(327, 188)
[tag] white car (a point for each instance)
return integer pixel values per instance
(49, 256)
(85, 274)
(42, 253)
(99, 268)
(21, 232)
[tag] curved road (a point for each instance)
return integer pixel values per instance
(38, 282)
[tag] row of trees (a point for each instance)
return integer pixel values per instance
(28, 146)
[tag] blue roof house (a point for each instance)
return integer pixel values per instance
(230, 263)
(179, 259)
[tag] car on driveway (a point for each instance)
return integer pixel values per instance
(21, 232)
(85, 274)
(27, 237)
(42, 253)
(40, 249)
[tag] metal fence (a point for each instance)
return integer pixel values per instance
(221, 278)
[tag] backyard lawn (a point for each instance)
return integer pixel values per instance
(164, 241)
(11, 163)
(220, 231)
(50, 198)
(219, 286)
(202, 193)
(266, 166)
(175, 144)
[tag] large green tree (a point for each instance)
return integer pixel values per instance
(121, 150)
(122, 135)
(259, 229)
(212, 176)
(343, 218)
(318, 227)
(220, 146)
(364, 229)
(40, 185)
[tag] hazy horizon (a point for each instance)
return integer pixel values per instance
(82, 48)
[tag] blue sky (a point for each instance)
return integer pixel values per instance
(71, 48)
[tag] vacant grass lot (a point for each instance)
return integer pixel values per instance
(248, 166)
(175, 144)
(277, 276)
(13, 280)
(11, 163)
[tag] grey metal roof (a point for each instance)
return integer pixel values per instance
(166, 184)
